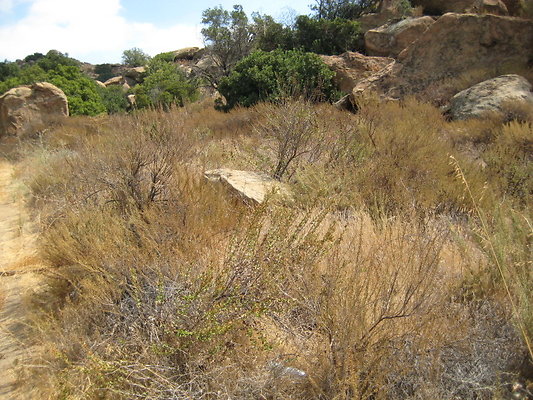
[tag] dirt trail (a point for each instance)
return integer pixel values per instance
(17, 281)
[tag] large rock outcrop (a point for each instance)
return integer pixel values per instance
(188, 53)
(352, 67)
(389, 40)
(252, 187)
(491, 96)
(452, 47)
(439, 7)
(25, 109)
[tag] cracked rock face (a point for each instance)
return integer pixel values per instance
(491, 96)
(26, 109)
(389, 40)
(352, 67)
(454, 46)
(436, 7)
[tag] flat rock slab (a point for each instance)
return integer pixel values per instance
(253, 187)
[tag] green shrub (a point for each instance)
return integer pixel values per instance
(61, 71)
(114, 99)
(53, 59)
(165, 57)
(164, 85)
(81, 91)
(272, 76)
(348, 9)
(8, 69)
(325, 36)
(104, 72)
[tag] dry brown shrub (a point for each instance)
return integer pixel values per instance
(369, 287)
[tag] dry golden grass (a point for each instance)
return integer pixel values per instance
(375, 284)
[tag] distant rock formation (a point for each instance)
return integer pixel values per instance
(491, 96)
(129, 78)
(454, 45)
(26, 109)
(439, 7)
(389, 40)
(188, 53)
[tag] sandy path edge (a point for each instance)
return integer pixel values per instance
(17, 282)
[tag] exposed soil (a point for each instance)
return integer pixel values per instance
(18, 280)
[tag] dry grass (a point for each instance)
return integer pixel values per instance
(375, 284)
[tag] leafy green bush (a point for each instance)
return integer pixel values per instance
(61, 71)
(272, 76)
(165, 57)
(53, 59)
(81, 91)
(348, 9)
(325, 36)
(165, 84)
(8, 69)
(114, 99)
(104, 72)
(22, 76)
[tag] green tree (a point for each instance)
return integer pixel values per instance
(344, 9)
(135, 57)
(270, 35)
(228, 37)
(33, 57)
(8, 70)
(277, 75)
(55, 58)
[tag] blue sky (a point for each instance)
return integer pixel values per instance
(97, 31)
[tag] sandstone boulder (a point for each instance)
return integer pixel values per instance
(388, 10)
(187, 53)
(389, 40)
(136, 74)
(117, 80)
(252, 187)
(374, 20)
(490, 96)
(453, 46)
(352, 67)
(25, 109)
(439, 7)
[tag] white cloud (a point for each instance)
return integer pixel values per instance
(6, 6)
(91, 31)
